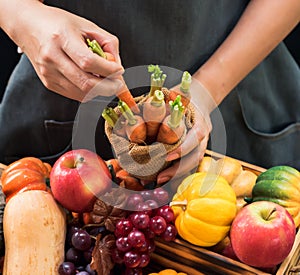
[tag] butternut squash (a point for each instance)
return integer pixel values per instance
(34, 232)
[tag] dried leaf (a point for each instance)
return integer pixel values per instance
(109, 214)
(102, 262)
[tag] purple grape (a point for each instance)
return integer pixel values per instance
(81, 240)
(136, 238)
(161, 196)
(158, 225)
(123, 227)
(145, 208)
(123, 244)
(117, 256)
(133, 200)
(166, 212)
(147, 194)
(132, 259)
(67, 268)
(140, 220)
(152, 204)
(145, 260)
(73, 255)
(170, 233)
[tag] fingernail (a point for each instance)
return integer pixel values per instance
(161, 180)
(171, 157)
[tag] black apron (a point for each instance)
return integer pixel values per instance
(261, 116)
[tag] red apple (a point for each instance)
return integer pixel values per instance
(77, 178)
(262, 234)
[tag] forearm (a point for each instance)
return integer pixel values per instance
(11, 19)
(261, 28)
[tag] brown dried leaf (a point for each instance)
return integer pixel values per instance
(102, 262)
(109, 214)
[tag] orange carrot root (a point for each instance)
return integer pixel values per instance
(137, 132)
(173, 126)
(168, 135)
(126, 96)
(128, 181)
(154, 112)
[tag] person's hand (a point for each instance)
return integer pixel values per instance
(55, 42)
(188, 155)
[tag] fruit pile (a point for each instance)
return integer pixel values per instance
(266, 221)
(128, 237)
(111, 229)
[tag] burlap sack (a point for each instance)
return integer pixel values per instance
(145, 161)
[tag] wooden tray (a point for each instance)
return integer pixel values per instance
(194, 260)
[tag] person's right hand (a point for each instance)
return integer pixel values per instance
(55, 42)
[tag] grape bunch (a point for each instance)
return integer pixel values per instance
(79, 248)
(149, 216)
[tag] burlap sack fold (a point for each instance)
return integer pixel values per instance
(145, 161)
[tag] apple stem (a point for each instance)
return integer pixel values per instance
(79, 160)
(183, 203)
(270, 213)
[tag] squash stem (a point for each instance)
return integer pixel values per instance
(183, 203)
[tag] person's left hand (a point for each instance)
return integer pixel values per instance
(188, 155)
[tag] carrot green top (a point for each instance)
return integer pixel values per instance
(157, 78)
(177, 112)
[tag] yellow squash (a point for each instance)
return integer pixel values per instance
(204, 207)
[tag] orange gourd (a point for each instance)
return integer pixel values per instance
(25, 174)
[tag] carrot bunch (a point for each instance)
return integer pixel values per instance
(162, 115)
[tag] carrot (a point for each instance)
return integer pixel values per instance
(135, 127)
(128, 181)
(157, 78)
(116, 122)
(154, 112)
(173, 126)
(184, 90)
(124, 95)
(115, 164)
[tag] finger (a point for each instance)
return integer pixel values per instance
(90, 85)
(185, 165)
(88, 61)
(71, 82)
(61, 85)
(195, 135)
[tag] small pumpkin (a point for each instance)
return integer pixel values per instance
(27, 173)
(279, 184)
(204, 208)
